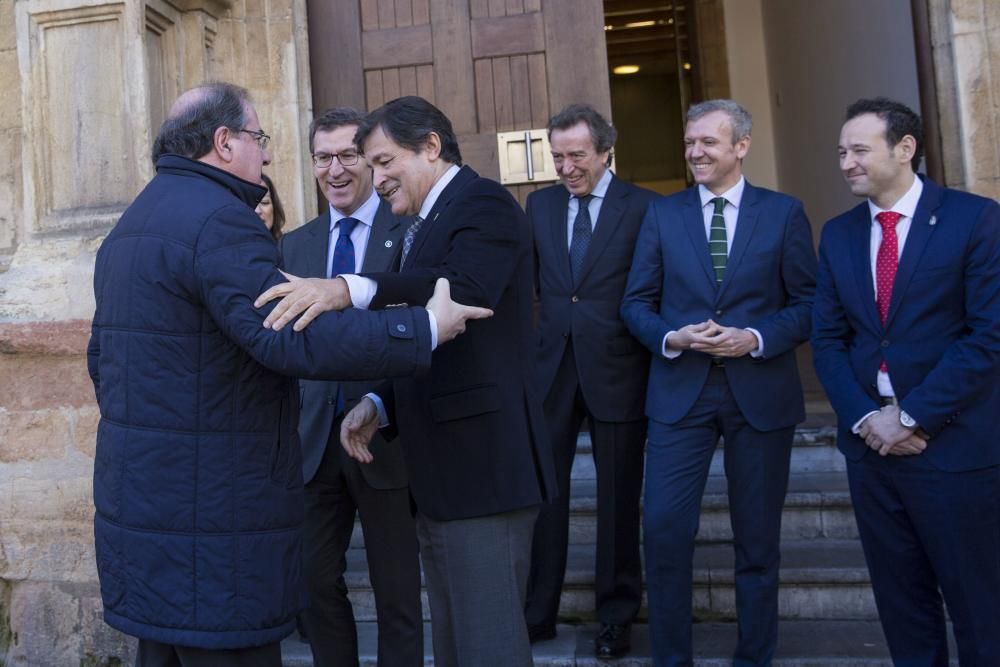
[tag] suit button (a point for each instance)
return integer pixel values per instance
(574, 298)
(401, 328)
(329, 400)
(718, 312)
(885, 343)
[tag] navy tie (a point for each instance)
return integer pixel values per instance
(343, 262)
(408, 236)
(582, 231)
(343, 252)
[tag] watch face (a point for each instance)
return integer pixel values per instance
(906, 420)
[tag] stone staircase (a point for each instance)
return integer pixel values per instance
(828, 616)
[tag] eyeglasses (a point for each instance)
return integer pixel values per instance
(258, 136)
(345, 158)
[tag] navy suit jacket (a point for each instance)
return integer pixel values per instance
(611, 364)
(304, 253)
(768, 285)
(941, 342)
(472, 428)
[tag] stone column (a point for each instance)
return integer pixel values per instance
(87, 84)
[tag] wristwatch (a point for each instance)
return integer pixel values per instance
(906, 420)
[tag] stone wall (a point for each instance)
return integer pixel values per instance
(87, 84)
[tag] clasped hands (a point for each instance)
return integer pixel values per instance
(307, 298)
(885, 434)
(713, 339)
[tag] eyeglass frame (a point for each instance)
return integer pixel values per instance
(261, 137)
(332, 156)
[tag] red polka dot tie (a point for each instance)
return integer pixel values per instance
(886, 263)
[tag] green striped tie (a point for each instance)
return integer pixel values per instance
(717, 239)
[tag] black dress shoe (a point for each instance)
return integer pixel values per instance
(613, 641)
(539, 633)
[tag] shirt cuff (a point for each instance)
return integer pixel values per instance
(383, 418)
(667, 352)
(759, 352)
(857, 426)
(361, 289)
(433, 322)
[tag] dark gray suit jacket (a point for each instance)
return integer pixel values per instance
(304, 252)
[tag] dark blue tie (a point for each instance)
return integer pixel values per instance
(343, 252)
(343, 262)
(582, 231)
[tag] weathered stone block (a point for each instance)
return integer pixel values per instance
(978, 114)
(34, 382)
(84, 423)
(33, 435)
(43, 495)
(967, 15)
(61, 624)
(10, 81)
(8, 38)
(49, 550)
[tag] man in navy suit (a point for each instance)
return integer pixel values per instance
(358, 231)
(472, 429)
(906, 342)
(720, 291)
(589, 365)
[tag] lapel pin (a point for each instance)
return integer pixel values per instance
(388, 244)
(932, 221)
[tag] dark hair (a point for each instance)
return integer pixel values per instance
(331, 119)
(278, 210)
(740, 120)
(602, 132)
(409, 121)
(189, 132)
(900, 120)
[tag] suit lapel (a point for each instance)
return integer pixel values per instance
(612, 209)
(383, 241)
(694, 224)
(746, 222)
(860, 242)
(921, 227)
(319, 247)
(558, 214)
(461, 179)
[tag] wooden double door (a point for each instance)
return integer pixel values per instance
(490, 65)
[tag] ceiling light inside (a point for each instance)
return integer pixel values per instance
(626, 69)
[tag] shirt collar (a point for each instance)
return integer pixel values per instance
(907, 204)
(733, 195)
(365, 213)
(601, 189)
(439, 186)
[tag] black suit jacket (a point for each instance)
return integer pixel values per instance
(612, 365)
(304, 253)
(472, 427)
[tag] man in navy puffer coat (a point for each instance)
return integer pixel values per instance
(198, 477)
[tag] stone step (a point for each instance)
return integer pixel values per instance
(814, 450)
(818, 505)
(820, 579)
(800, 644)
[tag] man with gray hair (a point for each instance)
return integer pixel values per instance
(720, 291)
(589, 366)
(198, 473)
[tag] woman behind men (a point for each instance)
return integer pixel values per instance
(270, 209)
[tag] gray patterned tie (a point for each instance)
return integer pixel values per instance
(408, 237)
(582, 231)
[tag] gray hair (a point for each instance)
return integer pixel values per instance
(740, 119)
(190, 128)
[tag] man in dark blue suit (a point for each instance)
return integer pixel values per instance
(589, 365)
(720, 291)
(358, 231)
(906, 342)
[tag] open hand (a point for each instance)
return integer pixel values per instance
(451, 316)
(309, 297)
(357, 430)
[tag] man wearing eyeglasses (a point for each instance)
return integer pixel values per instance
(357, 232)
(198, 472)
